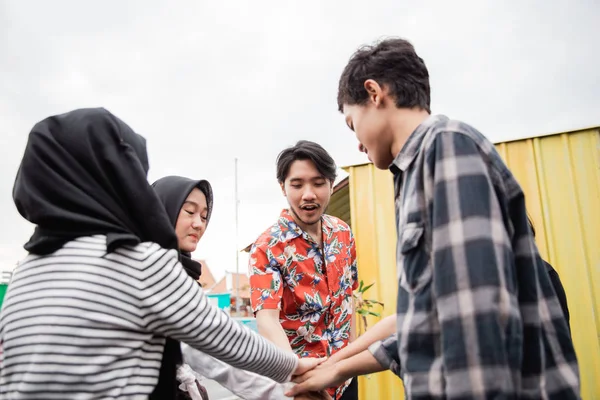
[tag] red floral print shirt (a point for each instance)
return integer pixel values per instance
(312, 287)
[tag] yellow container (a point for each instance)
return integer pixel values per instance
(560, 175)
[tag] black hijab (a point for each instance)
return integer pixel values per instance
(84, 173)
(172, 192)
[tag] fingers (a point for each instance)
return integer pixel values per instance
(298, 389)
(303, 377)
(307, 364)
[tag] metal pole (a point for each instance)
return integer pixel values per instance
(237, 250)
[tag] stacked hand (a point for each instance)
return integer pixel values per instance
(322, 395)
(314, 380)
(307, 364)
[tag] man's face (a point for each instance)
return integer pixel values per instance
(307, 192)
(370, 124)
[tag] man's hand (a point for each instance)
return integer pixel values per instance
(316, 380)
(334, 375)
(307, 364)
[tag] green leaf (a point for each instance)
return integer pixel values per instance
(368, 287)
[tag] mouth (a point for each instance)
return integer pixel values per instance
(309, 207)
(194, 236)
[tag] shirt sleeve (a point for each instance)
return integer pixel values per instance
(244, 384)
(265, 279)
(474, 291)
(353, 265)
(386, 353)
(174, 305)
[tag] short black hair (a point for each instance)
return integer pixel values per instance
(306, 150)
(392, 63)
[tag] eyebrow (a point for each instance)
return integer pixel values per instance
(314, 178)
(194, 204)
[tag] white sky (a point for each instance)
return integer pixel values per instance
(205, 82)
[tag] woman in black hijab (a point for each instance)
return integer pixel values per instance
(188, 204)
(87, 312)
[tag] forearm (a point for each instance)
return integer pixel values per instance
(379, 331)
(175, 306)
(272, 330)
(359, 364)
(245, 384)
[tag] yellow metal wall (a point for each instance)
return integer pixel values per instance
(372, 211)
(560, 175)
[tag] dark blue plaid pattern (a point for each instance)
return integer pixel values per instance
(478, 317)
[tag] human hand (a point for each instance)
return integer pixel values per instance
(316, 380)
(307, 364)
(322, 395)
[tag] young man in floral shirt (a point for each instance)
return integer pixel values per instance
(303, 267)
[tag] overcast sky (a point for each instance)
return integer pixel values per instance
(208, 81)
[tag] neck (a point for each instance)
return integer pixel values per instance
(314, 230)
(404, 123)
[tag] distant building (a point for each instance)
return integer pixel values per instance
(207, 279)
(236, 285)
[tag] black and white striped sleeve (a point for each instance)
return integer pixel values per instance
(175, 306)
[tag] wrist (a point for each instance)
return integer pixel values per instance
(340, 373)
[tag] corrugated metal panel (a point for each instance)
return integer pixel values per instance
(560, 175)
(339, 204)
(372, 210)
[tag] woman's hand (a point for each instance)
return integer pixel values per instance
(307, 364)
(316, 380)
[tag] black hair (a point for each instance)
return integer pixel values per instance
(306, 150)
(392, 63)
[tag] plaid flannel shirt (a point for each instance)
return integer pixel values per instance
(478, 317)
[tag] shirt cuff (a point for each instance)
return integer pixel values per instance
(386, 353)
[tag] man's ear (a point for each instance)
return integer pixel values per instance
(282, 185)
(375, 92)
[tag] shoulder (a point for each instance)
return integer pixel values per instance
(336, 224)
(149, 254)
(268, 239)
(457, 134)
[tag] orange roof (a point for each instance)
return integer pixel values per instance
(207, 279)
(229, 284)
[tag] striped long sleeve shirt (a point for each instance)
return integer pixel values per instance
(84, 324)
(478, 317)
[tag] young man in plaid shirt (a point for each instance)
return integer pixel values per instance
(477, 316)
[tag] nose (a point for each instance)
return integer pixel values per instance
(309, 195)
(198, 223)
